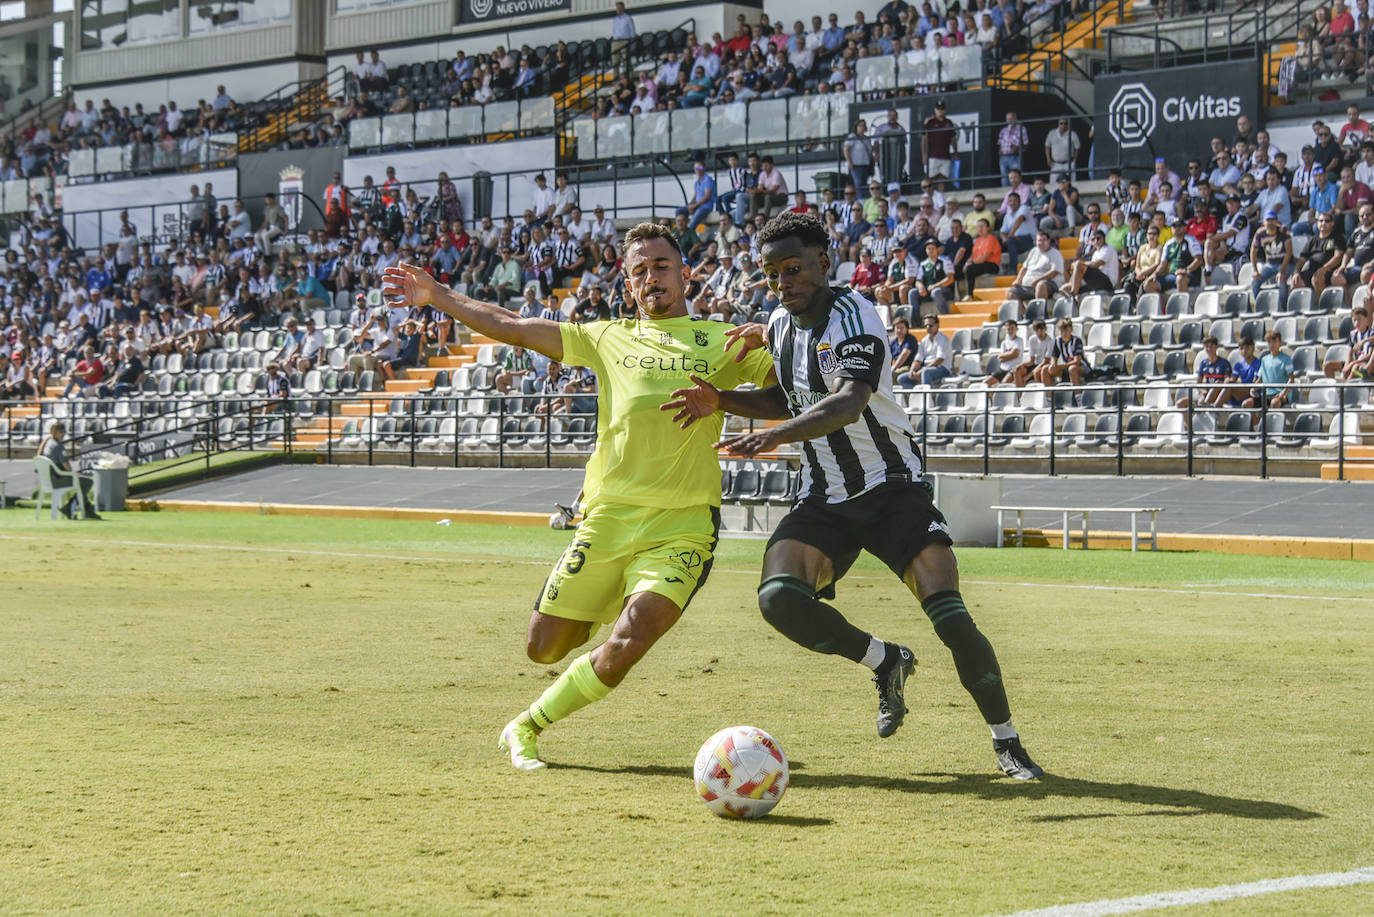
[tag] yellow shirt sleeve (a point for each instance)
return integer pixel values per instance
(580, 344)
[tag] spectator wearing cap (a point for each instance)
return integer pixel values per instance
(858, 154)
(703, 196)
(603, 227)
(939, 145)
(19, 381)
(1320, 200)
(1183, 260)
(1061, 148)
(88, 373)
(1271, 252)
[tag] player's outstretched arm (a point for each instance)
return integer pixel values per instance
(833, 412)
(408, 285)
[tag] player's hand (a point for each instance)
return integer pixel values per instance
(408, 285)
(748, 445)
(694, 403)
(750, 336)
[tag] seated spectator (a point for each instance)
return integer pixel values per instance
(278, 389)
(1271, 252)
(1013, 364)
(932, 282)
(934, 357)
(1069, 363)
(1017, 233)
(1356, 364)
(985, 258)
(1321, 258)
(1212, 369)
(1183, 260)
(407, 350)
(1039, 349)
(902, 346)
(128, 375)
(516, 366)
(1147, 265)
(1041, 274)
(63, 475)
(19, 380)
(1099, 272)
(1276, 372)
(1245, 370)
(88, 373)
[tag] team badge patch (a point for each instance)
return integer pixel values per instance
(701, 338)
(826, 358)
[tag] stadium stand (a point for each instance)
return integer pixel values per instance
(206, 311)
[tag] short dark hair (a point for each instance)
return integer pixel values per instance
(789, 224)
(643, 232)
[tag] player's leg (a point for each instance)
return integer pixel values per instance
(933, 577)
(797, 565)
(584, 590)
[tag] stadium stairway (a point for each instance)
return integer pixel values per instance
(303, 109)
(1049, 53)
(1359, 465)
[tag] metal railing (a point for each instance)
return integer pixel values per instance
(1165, 428)
(133, 159)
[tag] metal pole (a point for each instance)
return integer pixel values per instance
(1120, 434)
(1264, 445)
(1052, 413)
(501, 432)
(411, 399)
(329, 425)
(987, 430)
(371, 430)
(1190, 430)
(1340, 436)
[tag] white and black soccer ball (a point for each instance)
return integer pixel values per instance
(741, 772)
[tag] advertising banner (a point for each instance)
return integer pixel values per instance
(293, 176)
(485, 10)
(1173, 113)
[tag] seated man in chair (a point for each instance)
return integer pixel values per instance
(63, 476)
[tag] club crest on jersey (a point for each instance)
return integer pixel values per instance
(825, 357)
(701, 338)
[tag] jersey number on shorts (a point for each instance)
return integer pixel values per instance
(576, 557)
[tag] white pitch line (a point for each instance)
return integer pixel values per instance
(1203, 895)
(430, 558)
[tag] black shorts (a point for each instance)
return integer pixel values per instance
(894, 522)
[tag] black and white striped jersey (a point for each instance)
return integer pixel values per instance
(849, 343)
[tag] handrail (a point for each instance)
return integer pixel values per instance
(1046, 450)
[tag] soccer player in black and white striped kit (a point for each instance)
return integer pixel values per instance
(861, 483)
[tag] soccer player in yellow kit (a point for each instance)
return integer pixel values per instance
(652, 490)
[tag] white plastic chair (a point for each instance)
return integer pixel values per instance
(55, 495)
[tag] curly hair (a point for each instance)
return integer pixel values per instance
(643, 232)
(790, 224)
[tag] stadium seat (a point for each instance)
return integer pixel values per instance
(745, 484)
(1103, 434)
(1236, 303)
(1267, 302)
(1299, 300)
(1148, 305)
(1176, 305)
(1307, 426)
(1237, 425)
(1332, 299)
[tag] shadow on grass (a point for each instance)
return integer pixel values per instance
(1166, 801)
(992, 787)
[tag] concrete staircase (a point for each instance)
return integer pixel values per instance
(1359, 465)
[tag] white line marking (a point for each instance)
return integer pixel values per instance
(1203, 895)
(432, 558)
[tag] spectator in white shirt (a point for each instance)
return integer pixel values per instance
(603, 228)
(1012, 362)
(1099, 271)
(933, 356)
(1041, 273)
(543, 201)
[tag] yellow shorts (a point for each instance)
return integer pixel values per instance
(620, 550)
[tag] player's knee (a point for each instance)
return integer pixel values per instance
(544, 652)
(958, 632)
(783, 599)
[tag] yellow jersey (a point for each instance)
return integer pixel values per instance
(641, 456)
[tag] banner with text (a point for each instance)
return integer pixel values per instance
(1144, 114)
(486, 10)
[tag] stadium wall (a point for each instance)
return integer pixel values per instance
(520, 159)
(147, 200)
(301, 38)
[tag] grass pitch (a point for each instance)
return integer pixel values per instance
(240, 714)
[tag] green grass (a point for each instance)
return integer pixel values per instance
(247, 714)
(164, 473)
